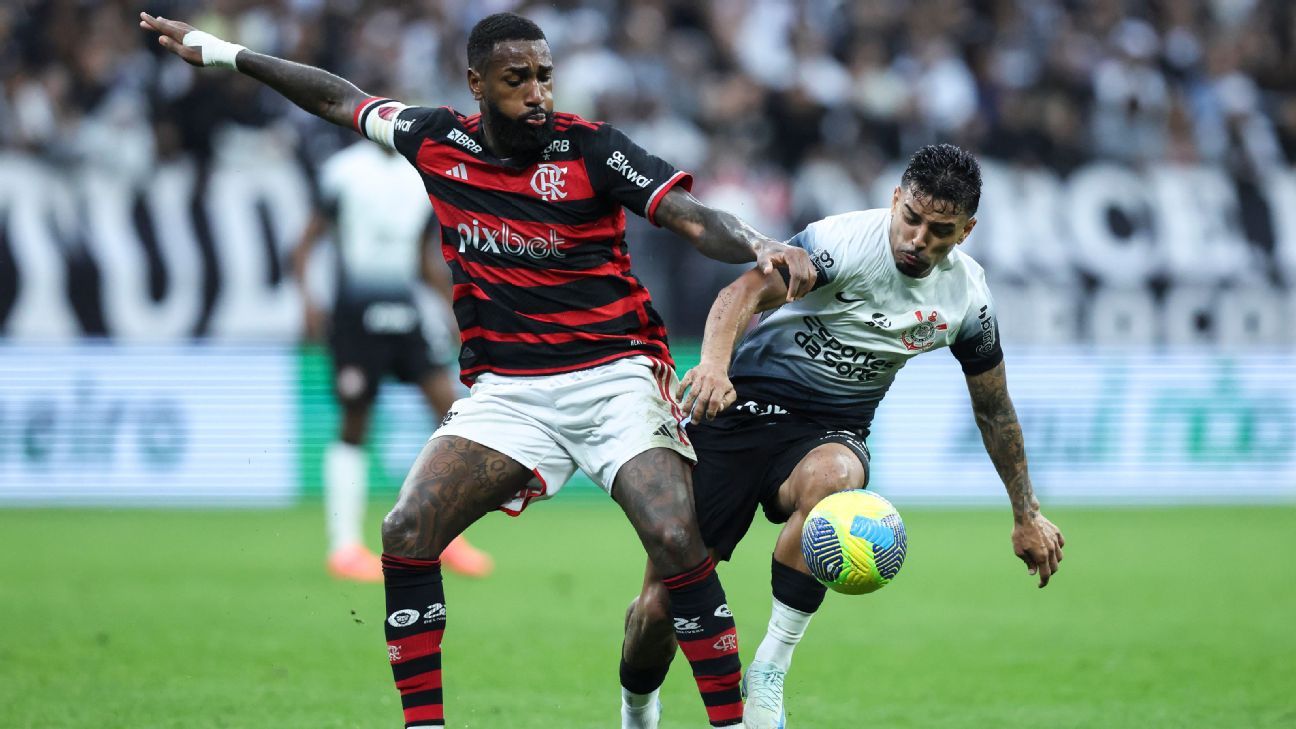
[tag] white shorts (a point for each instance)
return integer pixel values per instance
(595, 420)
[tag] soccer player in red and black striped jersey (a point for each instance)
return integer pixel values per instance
(567, 359)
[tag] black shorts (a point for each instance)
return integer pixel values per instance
(363, 357)
(744, 455)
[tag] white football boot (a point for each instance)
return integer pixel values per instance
(762, 687)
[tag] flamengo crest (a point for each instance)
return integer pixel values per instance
(923, 336)
(548, 181)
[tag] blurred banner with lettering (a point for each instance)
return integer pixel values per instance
(1109, 254)
(185, 424)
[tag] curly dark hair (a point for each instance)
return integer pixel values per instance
(945, 174)
(495, 28)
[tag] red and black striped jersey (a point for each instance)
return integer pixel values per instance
(537, 250)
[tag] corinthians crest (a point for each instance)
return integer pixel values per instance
(923, 335)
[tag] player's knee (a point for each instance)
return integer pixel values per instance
(826, 477)
(671, 543)
(399, 528)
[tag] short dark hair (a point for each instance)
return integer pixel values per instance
(494, 29)
(946, 173)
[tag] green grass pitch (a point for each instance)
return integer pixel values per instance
(192, 619)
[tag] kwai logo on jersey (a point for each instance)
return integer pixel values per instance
(620, 164)
(505, 240)
(923, 335)
(549, 180)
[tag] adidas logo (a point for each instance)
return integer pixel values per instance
(459, 171)
(664, 431)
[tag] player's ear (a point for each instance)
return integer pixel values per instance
(475, 84)
(967, 230)
(895, 198)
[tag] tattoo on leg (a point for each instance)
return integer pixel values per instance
(453, 483)
(655, 490)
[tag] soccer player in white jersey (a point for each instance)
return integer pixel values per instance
(374, 205)
(784, 425)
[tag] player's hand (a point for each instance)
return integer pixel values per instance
(708, 391)
(170, 33)
(801, 272)
(1038, 543)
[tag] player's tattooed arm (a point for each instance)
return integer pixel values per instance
(1035, 539)
(726, 237)
(705, 390)
(319, 92)
(1002, 435)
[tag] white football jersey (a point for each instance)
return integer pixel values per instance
(382, 212)
(833, 354)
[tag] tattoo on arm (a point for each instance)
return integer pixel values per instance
(715, 233)
(319, 92)
(1002, 436)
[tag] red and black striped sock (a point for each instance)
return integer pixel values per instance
(705, 629)
(416, 618)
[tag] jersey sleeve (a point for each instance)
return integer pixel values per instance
(828, 246)
(622, 170)
(976, 345)
(397, 126)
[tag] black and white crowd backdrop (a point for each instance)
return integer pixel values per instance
(149, 325)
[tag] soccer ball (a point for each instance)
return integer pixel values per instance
(854, 541)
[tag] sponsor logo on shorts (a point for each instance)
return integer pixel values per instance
(760, 408)
(723, 611)
(688, 625)
(727, 643)
(402, 618)
(446, 420)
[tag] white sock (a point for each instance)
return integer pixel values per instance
(638, 702)
(786, 628)
(346, 470)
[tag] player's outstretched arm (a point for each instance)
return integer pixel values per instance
(329, 97)
(706, 389)
(725, 237)
(1035, 539)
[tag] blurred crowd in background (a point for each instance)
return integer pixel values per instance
(785, 111)
(794, 105)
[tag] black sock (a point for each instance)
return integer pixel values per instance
(643, 680)
(796, 589)
(705, 629)
(416, 618)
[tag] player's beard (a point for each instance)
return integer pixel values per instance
(515, 135)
